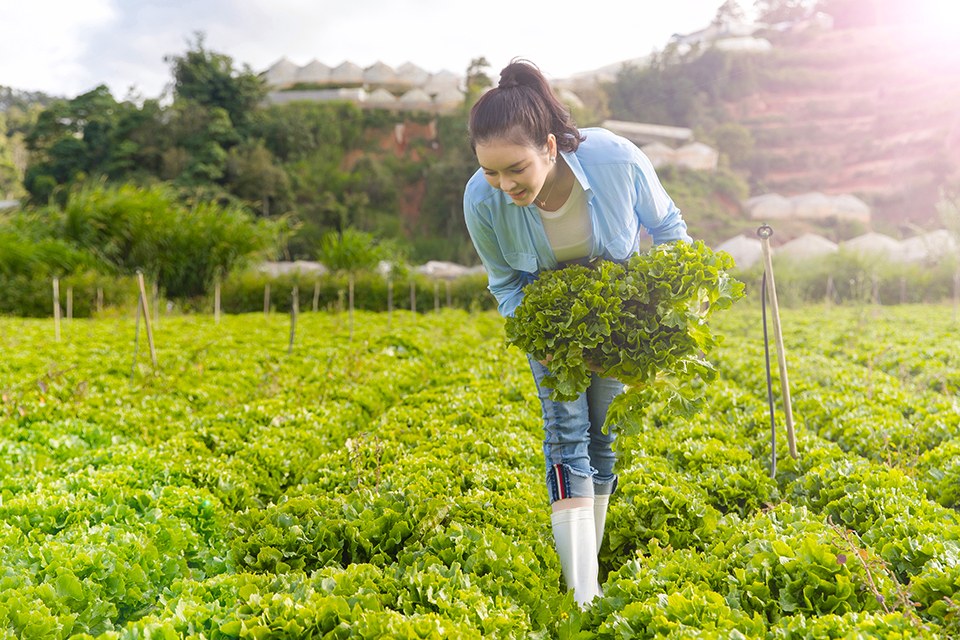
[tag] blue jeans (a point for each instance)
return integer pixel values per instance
(579, 455)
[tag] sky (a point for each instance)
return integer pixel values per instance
(66, 48)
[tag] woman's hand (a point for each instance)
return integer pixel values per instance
(593, 367)
(546, 361)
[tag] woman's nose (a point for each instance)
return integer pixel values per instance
(506, 184)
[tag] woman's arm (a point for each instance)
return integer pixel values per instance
(505, 282)
(654, 207)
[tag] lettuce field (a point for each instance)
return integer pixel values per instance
(391, 487)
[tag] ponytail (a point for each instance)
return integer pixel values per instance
(523, 110)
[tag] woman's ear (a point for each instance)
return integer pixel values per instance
(552, 145)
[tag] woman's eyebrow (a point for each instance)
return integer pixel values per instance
(513, 166)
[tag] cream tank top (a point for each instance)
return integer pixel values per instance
(569, 229)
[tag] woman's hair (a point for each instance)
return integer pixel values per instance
(523, 110)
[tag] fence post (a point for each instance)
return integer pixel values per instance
(216, 302)
(146, 316)
(389, 304)
(99, 301)
(266, 301)
(69, 304)
(436, 297)
(449, 303)
(316, 296)
(294, 307)
(350, 302)
(56, 309)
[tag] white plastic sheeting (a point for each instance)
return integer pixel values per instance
(744, 250)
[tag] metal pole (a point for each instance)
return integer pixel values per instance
(146, 316)
(765, 232)
(56, 308)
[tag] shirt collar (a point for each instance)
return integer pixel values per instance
(574, 163)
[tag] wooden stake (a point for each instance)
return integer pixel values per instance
(69, 304)
(778, 338)
(216, 302)
(56, 309)
(449, 303)
(316, 296)
(99, 301)
(389, 303)
(350, 303)
(413, 301)
(436, 297)
(266, 300)
(294, 307)
(146, 316)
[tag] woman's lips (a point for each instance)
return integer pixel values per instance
(517, 196)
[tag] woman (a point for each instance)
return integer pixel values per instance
(546, 195)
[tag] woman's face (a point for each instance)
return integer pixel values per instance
(518, 170)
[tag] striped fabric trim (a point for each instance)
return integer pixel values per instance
(561, 484)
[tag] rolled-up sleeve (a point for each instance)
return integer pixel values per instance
(655, 209)
(505, 282)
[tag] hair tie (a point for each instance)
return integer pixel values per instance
(506, 84)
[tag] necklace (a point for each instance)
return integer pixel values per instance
(543, 203)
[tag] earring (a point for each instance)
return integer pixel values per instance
(553, 159)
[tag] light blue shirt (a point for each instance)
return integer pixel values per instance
(623, 195)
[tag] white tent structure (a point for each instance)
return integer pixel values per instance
(874, 244)
(928, 248)
(379, 74)
(315, 72)
(807, 246)
(411, 75)
(659, 153)
(441, 269)
(697, 155)
(303, 267)
(769, 206)
(812, 206)
(281, 72)
(448, 98)
(346, 73)
(381, 97)
(570, 99)
(743, 43)
(850, 207)
(744, 250)
(440, 81)
(416, 98)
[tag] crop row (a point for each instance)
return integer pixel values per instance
(392, 487)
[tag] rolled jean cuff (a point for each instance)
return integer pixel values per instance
(563, 482)
(605, 487)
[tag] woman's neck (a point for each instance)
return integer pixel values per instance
(561, 184)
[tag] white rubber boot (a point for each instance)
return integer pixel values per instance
(576, 538)
(600, 503)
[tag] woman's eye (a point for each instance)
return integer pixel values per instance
(519, 170)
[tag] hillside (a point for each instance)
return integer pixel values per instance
(873, 112)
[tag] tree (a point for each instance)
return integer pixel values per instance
(209, 79)
(477, 80)
(774, 11)
(735, 141)
(729, 11)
